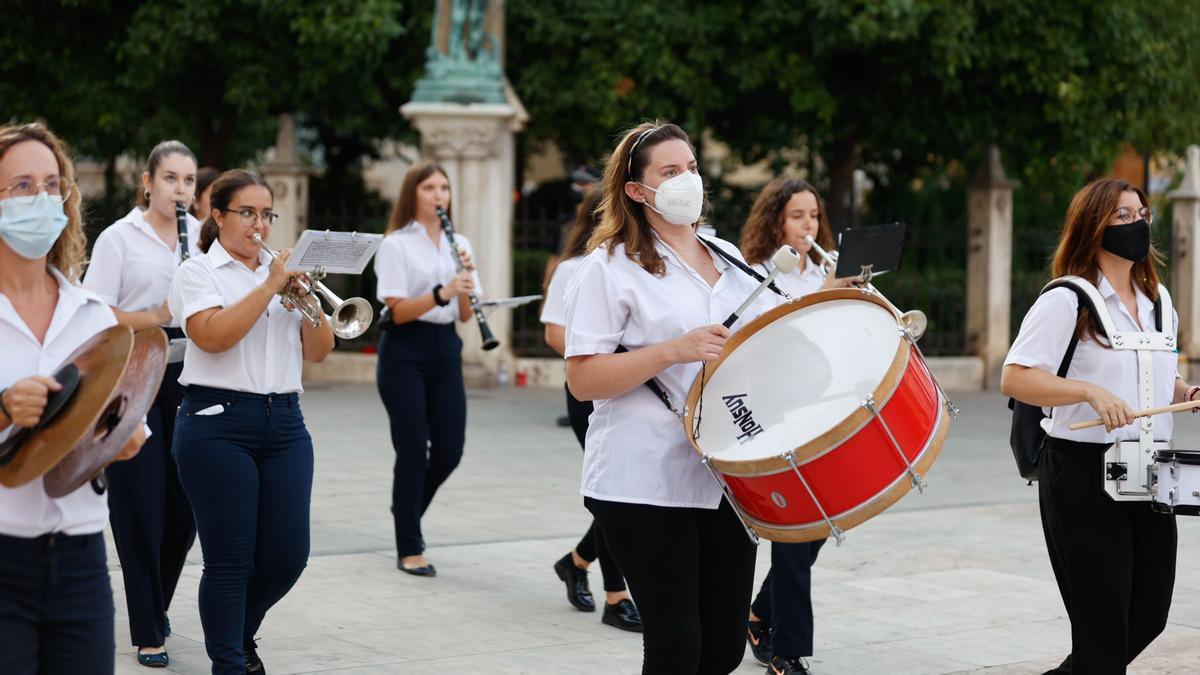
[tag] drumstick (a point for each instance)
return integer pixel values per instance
(785, 260)
(1173, 408)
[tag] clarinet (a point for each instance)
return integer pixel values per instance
(485, 331)
(181, 224)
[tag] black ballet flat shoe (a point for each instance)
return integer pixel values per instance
(624, 615)
(254, 665)
(422, 571)
(758, 635)
(578, 593)
(782, 666)
(167, 627)
(159, 660)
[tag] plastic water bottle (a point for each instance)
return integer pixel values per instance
(502, 375)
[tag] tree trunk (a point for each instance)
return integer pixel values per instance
(843, 160)
(215, 142)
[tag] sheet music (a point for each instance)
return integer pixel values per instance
(336, 252)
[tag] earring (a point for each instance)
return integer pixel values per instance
(147, 195)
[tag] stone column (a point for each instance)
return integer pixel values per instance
(989, 265)
(288, 178)
(475, 143)
(1185, 263)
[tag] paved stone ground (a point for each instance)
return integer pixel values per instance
(953, 581)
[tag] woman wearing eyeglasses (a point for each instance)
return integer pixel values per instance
(245, 457)
(56, 606)
(132, 265)
(1114, 561)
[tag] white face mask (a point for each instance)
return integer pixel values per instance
(678, 199)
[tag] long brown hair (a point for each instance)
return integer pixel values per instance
(1078, 249)
(622, 219)
(406, 202)
(70, 248)
(224, 189)
(577, 238)
(764, 227)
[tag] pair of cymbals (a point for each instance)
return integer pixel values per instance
(119, 373)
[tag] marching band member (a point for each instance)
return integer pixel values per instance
(245, 457)
(133, 263)
(619, 610)
(786, 212)
(419, 372)
(650, 285)
(56, 606)
(1114, 561)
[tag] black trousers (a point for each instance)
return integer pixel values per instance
(592, 547)
(691, 572)
(419, 377)
(1114, 561)
(151, 518)
(784, 601)
(56, 606)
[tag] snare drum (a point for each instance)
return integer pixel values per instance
(1176, 480)
(819, 415)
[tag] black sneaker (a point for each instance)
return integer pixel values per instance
(782, 666)
(624, 615)
(758, 635)
(254, 665)
(576, 580)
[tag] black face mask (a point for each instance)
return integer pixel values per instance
(1131, 242)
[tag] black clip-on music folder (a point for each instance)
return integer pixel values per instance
(870, 250)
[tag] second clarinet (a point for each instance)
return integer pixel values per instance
(485, 331)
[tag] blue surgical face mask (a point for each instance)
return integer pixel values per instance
(30, 227)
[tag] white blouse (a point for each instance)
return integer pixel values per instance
(1042, 342)
(27, 511)
(555, 308)
(132, 268)
(635, 449)
(409, 264)
(269, 358)
(797, 283)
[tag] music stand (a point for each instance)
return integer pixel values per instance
(507, 303)
(327, 252)
(870, 250)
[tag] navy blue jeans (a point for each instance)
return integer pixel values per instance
(56, 606)
(419, 375)
(785, 600)
(246, 463)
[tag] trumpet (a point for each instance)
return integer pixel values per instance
(350, 318)
(914, 320)
(485, 331)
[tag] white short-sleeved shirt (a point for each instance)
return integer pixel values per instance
(797, 283)
(132, 268)
(1042, 342)
(409, 264)
(269, 358)
(635, 449)
(555, 308)
(27, 511)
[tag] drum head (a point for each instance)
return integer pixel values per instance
(800, 370)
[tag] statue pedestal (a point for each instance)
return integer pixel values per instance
(475, 144)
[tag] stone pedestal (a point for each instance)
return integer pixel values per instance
(989, 265)
(288, 178)
(1185, 262)
(475, 144)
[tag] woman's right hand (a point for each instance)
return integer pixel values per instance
(1109, 407)
(702, 344)
(163, 314)
(25, 400)
(461, 283)
(832, 282)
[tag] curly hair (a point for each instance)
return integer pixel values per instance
(763, 230)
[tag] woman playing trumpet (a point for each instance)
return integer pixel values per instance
(245, 457)
(420, 354)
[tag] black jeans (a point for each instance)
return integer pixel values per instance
(1114, 561)
(592, 547)
(152, 522)
(56, 606)
(785, 600)
(419, 377)
(248, 473)
(691, 572)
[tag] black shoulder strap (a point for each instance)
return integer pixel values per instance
(652, 384)
(1085, 302)
(1158, 314)
(740, 265)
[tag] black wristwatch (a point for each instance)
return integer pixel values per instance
(437, 298)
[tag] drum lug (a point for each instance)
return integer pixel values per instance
(913, 476)
(836, 532)
(737, 510)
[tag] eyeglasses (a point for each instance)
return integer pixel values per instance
(24, 189)
(1127, 215)
(249, 217)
